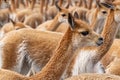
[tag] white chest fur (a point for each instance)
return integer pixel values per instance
(84, 63)
(1, 52)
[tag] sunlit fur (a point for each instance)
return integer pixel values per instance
(94, 76)
(40, 54)
(54, 25)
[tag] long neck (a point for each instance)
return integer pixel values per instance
(17, 3)
(85, 3)
(97, 24)
(69, 2)
(46, 5)
(94, 21)
(13, 6)
(108, 34)
(60, 59)
(80, 3)
(42, 3)
(60, 2)
(90, 4)
(27, 3)
(53, 1)
(32, 4)
(54, 25)
(21, 2)
(0, 2)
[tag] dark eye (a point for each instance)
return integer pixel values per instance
(84, 33)
(104, 12)
(63, 15)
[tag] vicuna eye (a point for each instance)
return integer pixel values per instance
(85, 33)
(63, 15)
(104, 12)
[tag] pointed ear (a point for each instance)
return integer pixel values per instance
(71, 21)
(98, 3)
(23, 19)
(13, 22)
(56, 4)
(9, 8)
(67, 6)
(76, 15)
(107, 5)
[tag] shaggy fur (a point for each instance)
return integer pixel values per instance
(54, 69)
(94, 77)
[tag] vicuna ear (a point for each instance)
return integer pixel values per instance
(9, 8)
(67, 6)
(71, 21)
(22, 19)
(76, 15)
(13, 22)
(56, 4)
(98, 3)
(107, 5)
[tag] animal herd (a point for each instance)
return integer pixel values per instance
(59, 39)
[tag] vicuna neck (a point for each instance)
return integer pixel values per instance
(54, 25)
(60, 2)
(32, 4)
(93, 23)
(13, 6)
(108, 33)
(60, 59)
(46, 5)
(42, 2)
(97, 23)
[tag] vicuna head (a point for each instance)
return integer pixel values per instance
(18, 25)
(116, 7)
(83, 34)
(103, 9)
(63, 13)
(14, 26)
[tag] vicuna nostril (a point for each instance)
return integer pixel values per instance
(101, 39)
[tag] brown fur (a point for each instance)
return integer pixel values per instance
(10, 27)
(109, 38)
(111, 54)
(54, 24)
(33, 47)
(95, 17)
(117, 7)
(51, 12)
(13, 6)
(4, 16)
(42, 2)
(114, 67)
(57, 64)
(34, 20)
(108, 34)
(89, 76)
(9, 75)
(111, 59)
